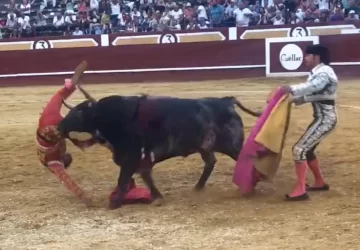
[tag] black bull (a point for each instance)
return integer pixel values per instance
(142, 131)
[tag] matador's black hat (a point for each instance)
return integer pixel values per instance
(319, 50)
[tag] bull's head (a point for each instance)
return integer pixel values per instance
(79, 124)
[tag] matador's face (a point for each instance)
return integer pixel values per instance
(311, 61)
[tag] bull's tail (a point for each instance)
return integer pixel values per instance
(243, 108)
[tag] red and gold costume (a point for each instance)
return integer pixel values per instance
(51, 147)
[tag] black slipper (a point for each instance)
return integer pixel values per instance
(326, 187)
(302, 197)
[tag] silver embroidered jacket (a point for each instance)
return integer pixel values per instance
(321, 85)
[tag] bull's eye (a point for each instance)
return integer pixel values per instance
(80, 136)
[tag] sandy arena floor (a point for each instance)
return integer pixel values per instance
(36, 212)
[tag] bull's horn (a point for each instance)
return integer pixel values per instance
(69, 106)
(86, 94)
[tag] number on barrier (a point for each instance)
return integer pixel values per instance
(168, 38)
(41, 45)
(298, 32)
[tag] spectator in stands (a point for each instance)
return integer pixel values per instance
(115, 12)
(217, 14)
(104, 6)
(337, 14)
(202, 24)
(229, 13)
(177, 14)
(324, 17)
(278, 19)
(146, 3)
(84, 21)
(123, 19)
(40, 19)
(352, 5)
(192, 25)
(69, 19)
(201, 12)
(263, 20)
(106, 29)
(82, 6)
(46, 3)
(174, 25)
(165, 19)
(78, 31)
(94, 5)
(24, 22)
(105, 19)
(68, 31)
(352, 18)
(170, 5)
(144, 24)
(189, 14)
(58, 20)
(300, 14)
(135, 13)
(25, 7)
(70, 7)
(94, 25)
(154, 22)
(312, 13)
(12, 7)
(242, 15)
(254, 18)
(160, 5)
(12, 25)
(324, 5)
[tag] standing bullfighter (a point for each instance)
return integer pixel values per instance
(320, 90)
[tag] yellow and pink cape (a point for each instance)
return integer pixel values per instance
(262, 150)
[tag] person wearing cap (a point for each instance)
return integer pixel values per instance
(319, 90)
(352, 18)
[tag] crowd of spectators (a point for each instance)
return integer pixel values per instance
(82, 17)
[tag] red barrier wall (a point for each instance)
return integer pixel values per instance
(211, 54)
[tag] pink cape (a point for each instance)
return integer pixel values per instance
(243, 175)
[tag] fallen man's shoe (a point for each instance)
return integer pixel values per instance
(136, 195)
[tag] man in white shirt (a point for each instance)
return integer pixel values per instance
(177, 13)
(242, 15)
(278, 19)
(58, 20)
(324, 5)
(78, 32)
(24, 21)
(94, 5)
(229, 11)
(25, 7)
(202, 12)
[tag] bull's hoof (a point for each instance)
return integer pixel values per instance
(158, 202)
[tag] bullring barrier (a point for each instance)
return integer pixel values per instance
(227, 53)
